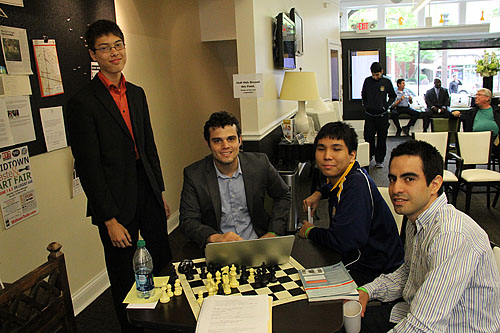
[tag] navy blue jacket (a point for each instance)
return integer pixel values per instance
(361, 225)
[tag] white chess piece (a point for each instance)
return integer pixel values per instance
(169, 290)
(209, 282)
(251, 277)
(217, 279)
(164, 296)
(226, 286)
(211, 291)
(177, 288)
(200, 297)
(234, 282)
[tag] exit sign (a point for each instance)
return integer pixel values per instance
(363, 27)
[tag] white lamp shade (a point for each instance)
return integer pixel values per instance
(300, 86)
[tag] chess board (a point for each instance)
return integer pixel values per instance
(287, 289)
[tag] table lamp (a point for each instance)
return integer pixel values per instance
(301, 87)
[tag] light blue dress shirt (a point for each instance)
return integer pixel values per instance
(235, 215)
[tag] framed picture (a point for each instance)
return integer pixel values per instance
(299, 32)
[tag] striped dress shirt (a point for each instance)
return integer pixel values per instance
(449, 280)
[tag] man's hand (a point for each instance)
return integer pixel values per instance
(227, 237)
(363, 300)
(118, 233)
(268, 235)
(443, 108)
(456, 113)
(410, 99)
(312, 201)
(165, 206)
(305, 226)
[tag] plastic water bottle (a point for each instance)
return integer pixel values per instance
(143, 268)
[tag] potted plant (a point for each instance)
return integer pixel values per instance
(488, 67)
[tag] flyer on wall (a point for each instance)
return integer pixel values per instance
(17, 190)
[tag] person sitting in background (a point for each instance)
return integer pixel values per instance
(449, 281)
(402, 105)
(453, 86)
(438, 102)
(362, 228)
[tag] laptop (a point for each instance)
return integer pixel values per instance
(251, 253)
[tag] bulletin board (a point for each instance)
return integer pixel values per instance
(65, 21)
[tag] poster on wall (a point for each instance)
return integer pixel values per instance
(47, 66)
(17, 190)
(15, 50)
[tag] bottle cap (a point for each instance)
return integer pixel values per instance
(141, 243)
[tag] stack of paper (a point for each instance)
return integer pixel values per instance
(235, 314)
(328, 283)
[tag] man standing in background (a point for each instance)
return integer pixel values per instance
(377, 94)
(117, 161)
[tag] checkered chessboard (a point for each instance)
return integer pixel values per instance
(287, 289)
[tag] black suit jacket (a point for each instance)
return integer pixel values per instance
(200, 210)
(432, 100)
(103, 149)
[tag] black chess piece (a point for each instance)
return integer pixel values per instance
(183, 266)
(189, 273)
(220, 291)
(272, 274)
(244, 274)
(203, 273)
(258, 276)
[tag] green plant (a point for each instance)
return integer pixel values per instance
(488, 65)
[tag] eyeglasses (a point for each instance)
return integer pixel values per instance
(106, 49)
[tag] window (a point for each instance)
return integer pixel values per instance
(396, 15)
(356, 16)
(477, 9)
(448, 12)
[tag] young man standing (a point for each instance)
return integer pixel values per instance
(223, 194)
(362, 229)
(117, 161)
(402, 105)
(377, 94)
(449, 281)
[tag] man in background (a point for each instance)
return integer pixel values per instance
(377, 94)
(438, 103)
(454, 83)
(449, 281)
(223, 194)
(402, 106)
(118, 165)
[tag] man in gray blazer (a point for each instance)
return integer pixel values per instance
(223, 194)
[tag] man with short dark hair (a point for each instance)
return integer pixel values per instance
(402, 106)
(449, 281)
(223, 194)
(362, 228)
(438, 103)
(454, 83)
(377, 94)
(118, 164)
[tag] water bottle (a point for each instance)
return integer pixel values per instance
(143, 268)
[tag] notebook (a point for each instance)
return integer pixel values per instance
(272, 251)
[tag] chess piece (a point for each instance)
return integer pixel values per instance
(226, 286)
(169, 290)
(272, 274)
(217, 279)
(251, 277)
(199, 300)
(164, 296)
(203, 273)
(209, 281)
(177, 288)
(244, 274)
(189, 272)
(233, 282)
(211, 291)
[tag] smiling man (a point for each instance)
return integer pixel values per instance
(362, 229)
(449, 281)
(118, 164)
(223, 194)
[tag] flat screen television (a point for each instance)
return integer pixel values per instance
(299, 32)
(284, 42)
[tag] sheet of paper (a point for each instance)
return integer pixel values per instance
(132, 295)
(47, 65)
(15, 85)
(19, 3)
(77, 185)
(15, 50)
(53, 128)
(149, 306)
(20, 118)
(235, 314)
(6, 138)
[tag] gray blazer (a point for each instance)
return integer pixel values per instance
(200, 207)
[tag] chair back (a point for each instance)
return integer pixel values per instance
(474, 147)
(363, 154)
(437, 139)
(445, 125)
(399, 218)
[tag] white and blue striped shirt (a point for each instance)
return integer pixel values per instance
(449, 279)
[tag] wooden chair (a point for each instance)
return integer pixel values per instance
(40, 301)
(451, 126)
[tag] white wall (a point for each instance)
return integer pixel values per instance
(254, 42)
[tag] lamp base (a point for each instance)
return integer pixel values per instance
(301, 119)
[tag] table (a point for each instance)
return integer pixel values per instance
(300, 316)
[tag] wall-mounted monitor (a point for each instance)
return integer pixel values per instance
(359, 69)
(299, 32)
(283, 42)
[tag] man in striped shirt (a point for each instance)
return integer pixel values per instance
(449, 281)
